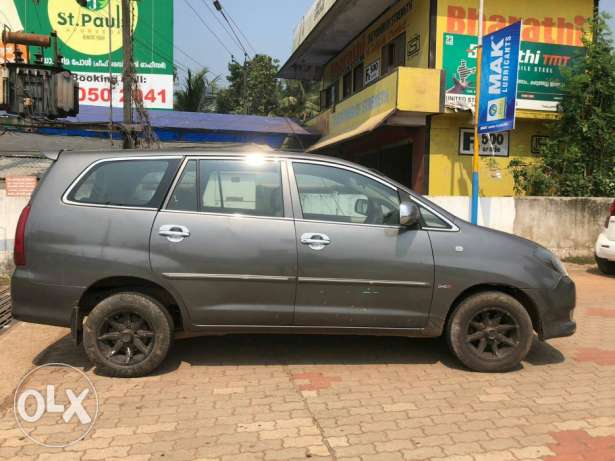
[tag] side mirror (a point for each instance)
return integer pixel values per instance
(361, 206)
(409, 214)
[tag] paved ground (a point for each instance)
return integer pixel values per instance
(283, 398)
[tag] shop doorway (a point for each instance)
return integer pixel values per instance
(392, 161)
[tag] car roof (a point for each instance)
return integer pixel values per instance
(214, 150)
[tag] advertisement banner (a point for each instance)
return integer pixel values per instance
(540, 72)
(498, 83)
(90, 41)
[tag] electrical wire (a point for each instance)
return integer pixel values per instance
(208, 28)
(221, 24)
(200, 64)
(182, 66)
(221, 10)
(241, 32)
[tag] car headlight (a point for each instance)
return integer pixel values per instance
(550, 260)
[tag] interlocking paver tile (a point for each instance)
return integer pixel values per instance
(349, 398)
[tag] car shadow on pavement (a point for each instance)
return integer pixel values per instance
(595, 271)
(251, 350)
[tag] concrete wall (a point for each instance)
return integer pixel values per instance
(10, 208)
(567, 226)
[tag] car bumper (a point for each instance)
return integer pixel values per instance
(42, 303)
(556, 309)
(605, 248)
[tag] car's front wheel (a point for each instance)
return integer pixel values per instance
(127, 335)
(606, 267)
(490, 331)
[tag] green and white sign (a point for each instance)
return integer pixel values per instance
(90, 35)
(540, 72)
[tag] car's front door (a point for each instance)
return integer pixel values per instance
(225, 241)
(357, 266)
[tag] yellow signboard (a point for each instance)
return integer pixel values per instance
(378, 98)
(410, 17)
(557, 23)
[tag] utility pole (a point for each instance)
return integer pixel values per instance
(245, 83)
(477, 138)
(110, 32)
(129, 142)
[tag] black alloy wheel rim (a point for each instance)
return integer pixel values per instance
(493, 334)
(125, 338)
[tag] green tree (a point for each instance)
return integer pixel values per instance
(579, 158)
(198, 92)
(253, 88)
(300, 100)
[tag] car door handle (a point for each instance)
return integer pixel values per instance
(315, 241)
(174, 232)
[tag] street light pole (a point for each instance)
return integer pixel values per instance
(477, 143)
(128, 74)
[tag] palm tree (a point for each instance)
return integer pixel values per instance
(300, 100)
(198, 93)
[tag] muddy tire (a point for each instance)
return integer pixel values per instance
(490, 332)
(606, 267)
(127, 335)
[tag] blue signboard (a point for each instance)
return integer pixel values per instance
(498, 82)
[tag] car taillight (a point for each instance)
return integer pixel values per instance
(19, 254)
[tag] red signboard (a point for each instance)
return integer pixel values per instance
(20, 186)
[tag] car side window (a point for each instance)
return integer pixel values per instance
(130, 183)
(431, 221)
(335, 194)
(230, 187)
(428, 218)
(184, 196)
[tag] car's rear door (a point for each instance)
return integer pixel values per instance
(225, 240)
(357, 266)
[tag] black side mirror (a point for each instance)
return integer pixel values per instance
(409, 214)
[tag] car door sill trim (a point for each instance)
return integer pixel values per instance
(207, 330)
(364, 282)
(249, 277)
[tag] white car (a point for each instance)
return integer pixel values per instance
(605, 246)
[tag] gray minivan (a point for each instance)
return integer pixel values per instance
(133, 249)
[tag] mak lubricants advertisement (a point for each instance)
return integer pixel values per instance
(540, 72)
(90, 41)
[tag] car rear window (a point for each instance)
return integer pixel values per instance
(140, 183)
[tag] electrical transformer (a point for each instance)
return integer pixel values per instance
(34, 89)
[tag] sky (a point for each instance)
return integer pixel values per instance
(609, 7)
(268, 25)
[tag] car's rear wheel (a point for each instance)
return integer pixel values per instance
(490, 331)
(127, 335)
(606, 267)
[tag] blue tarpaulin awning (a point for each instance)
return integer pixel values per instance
(192, 127)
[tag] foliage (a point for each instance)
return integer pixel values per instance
(198, 93)
(579, 158)
(257, 91)
(253, 88)
(300, 100)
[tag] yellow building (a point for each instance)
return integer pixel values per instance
(399, 76)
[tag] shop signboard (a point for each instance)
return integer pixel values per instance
(493, 144)
(90, 41)
(498, 86)
(540, 72)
